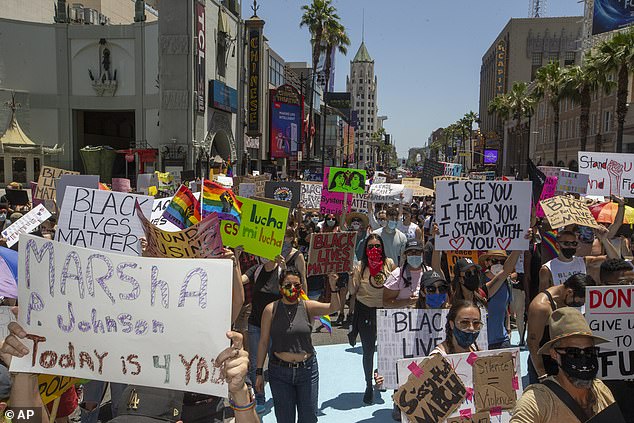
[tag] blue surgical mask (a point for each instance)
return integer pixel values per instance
(435, 300)
(415, 261)
(391, 224)
(465, 339)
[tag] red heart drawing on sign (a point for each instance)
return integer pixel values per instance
(456, 243)
(503, 243)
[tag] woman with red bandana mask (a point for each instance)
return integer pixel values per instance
(367, 283)
(293, 371)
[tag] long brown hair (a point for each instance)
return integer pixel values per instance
(456, 306)
(364, 257)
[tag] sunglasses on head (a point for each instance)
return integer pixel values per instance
(442, 289)
(575, 352)
(371, 246)
(292, 285)
(569, 243)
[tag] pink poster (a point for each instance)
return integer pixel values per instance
(550, 187)
(332, 202)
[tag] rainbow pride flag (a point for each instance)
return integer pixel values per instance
(549, 238)
(184, 210)
(324, 320)
(221, 200)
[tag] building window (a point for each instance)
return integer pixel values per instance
(607, 121)
(358, 106)
(19, 169)
(276, 72)
(553, 57)
(536, 63)
(360, 80)
(569, 58)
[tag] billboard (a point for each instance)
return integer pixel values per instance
(223, 97)
(611, 14)
(254, 38)
(200, 58)
(490, 156)
(500, 68)
(286, 121)
(340, 101)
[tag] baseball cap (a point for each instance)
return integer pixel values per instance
(431, 277)
(413, 245)
(142, 404)
(465, 263)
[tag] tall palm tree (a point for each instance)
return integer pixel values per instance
(581, 82)
(317, 17)
(521, 104)
(500, 106)
(617, 54)
(551, 85)
(334, 39)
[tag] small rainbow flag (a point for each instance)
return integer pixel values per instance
(324, 320)
(549, 238)
(221, 200)
(183, 211)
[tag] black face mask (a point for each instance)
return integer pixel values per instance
(583, 367)
(568, 252)
(472, 281)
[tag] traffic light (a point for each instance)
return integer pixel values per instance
(454, 151)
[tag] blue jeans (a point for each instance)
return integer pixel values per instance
(254, 340)
(93, 392)
(295, 389)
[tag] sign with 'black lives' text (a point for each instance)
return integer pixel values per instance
(482, 215)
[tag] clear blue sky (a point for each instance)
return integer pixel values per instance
(427, 53)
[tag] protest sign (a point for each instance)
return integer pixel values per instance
(121, 185)
(464, 366)
(417, 189)
(549, 170)
(433, 391)
(260, 231)
(53, 386)
(431, 169)
(121, 318)
(454, 256)
(360, 202)
(572, 182)
(379, 179)
(562, 211)
(386, 193)
(311, 195)
(102, 220)
(47, 181)
(493, 382)
(158, 208)
(482, 215)
(259, 181)
(346, 180)
(609, 173)
(144, 181)
(481, 417)
(166, 182)
(610, 314)
(17, 197)
(283, 191)
(34, 201)
(26, 224)
(247, 190)
(202, 240)
(85, 181)
(225, 181)
(452, 169)
(408, 333)
(188, 175)
(482, 176)
(332, 202)
(448, 178)
(331, 253)
(548, 191)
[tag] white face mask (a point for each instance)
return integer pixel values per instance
(3, 217)
(355, 226)
(315, 220)
(497, 268)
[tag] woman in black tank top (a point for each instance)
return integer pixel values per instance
(293, 371)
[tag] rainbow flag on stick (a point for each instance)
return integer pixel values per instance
(221, 200)
(184, 210)
(324, 320)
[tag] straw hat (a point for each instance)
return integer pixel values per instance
(564, 323)
(492, 253)
(357, 215)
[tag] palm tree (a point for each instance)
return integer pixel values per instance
(500, 106)
(317, 17)
(334, 39)
(617, 54)
(551, 85)
(521, 104)
(581, 82)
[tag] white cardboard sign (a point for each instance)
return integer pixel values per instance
(102, 220)
(112, 317)
(572, 182)
(408, 333)
(386, 193)
(482, 215)
(610, 173)
(26, 224)
(158, 207)
(610, 314)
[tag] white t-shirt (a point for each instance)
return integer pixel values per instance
(395, 282)
(561, 271)
(409, 231)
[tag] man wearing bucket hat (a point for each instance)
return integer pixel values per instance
(575, 394)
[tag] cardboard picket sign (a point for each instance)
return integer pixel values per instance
(246, 190)
(347, 180)
(386, 193)
(609, 173)
(102, 220)
(454, 256)
(415, 185)
(131, 320)
(379, 179)
(85, 181)
(403, 333)
(572, 182)
(47, 181)
(283, 191)
(258, 180)
(311, 195)
(331, 253)
(52, 387)
(144, 181)
(261, 229)
(448, 178)
(562, 211)
(202, 240)
(548, 191)
(332, 202)
(482, 215)
(610, 315)
(26, 224)
(499, 381)
(431, 169)
(360, 202)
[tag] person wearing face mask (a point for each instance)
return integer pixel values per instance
(575, 394)
(464, 322)
(409, 228)
(434, 291)
(293, 370)
(572, 293)
(358, 222)
(402, 286)
(467, 282)
(559, 269)
(393, 240)
(293, 256)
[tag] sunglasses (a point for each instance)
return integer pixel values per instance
(330, 219)
(443, 289)
(371, 246)
(496, 261)
(356, 221)
(470, 273)
(569, 243)
(575, 352)
(466, 324)
(292, 285)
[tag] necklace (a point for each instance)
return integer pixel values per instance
(290, 314)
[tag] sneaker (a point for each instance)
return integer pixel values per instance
(396, 413)
(368, 396)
